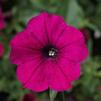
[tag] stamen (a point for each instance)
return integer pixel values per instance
(52, 52)
(49, 51)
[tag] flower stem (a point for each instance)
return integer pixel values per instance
(63, 96)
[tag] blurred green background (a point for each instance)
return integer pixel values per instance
(84, 15)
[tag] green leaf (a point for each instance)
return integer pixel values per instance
(75, 13)
(52, 95)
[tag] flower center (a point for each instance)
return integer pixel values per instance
(49, 51)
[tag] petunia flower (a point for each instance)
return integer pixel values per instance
(2, 22)
(48, 53)
(1, 49)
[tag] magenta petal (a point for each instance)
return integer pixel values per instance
(75, 52)
(21, 55)
(2, 25)
(37, 27)
(24, 48)
(55, 25)
(24, 39)
(69, 68)
(57, 78)
(69, 36)
(47, 27)
(75, 73)
(33, 76)
(63, 73)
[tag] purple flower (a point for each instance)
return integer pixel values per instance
(48, 53)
